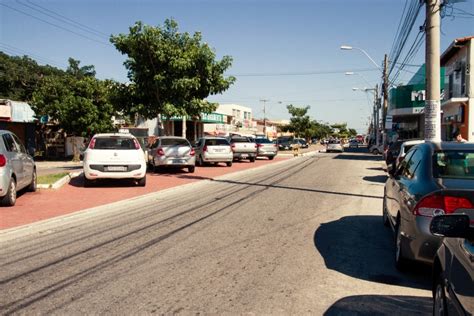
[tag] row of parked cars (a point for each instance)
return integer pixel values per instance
(120, 155)
(429, 205)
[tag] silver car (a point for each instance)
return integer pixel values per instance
(266, 148)
(172, 151)
(334, 145)
(17, 168)
(213, 150)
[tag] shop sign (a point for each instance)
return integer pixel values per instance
(205, 118)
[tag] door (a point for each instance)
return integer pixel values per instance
(26, 161)
(397, 188)
(14, 158)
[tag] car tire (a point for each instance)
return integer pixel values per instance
(142, 182)
(252, 159)
(439, 297)
(10, 198)
(191, 169)
(199, 161)
(384, 212)
(34, 183)
(271, 157)
(229, 163)
(88, 183)
(375, 151)
(401, 262)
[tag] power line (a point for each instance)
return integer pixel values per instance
(16, 50)
(304, 73)
(55, 25)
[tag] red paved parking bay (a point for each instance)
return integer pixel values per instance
(72, 197)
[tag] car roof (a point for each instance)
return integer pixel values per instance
(114, 134)
(170, 137)
(439, 146)
(413, 142)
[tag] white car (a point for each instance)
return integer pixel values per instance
(334, 145)
(405, 147)
(114, 156)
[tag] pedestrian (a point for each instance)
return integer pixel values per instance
(458, 137)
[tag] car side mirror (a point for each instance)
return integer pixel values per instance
(453, 225)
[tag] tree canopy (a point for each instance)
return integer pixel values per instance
(171, 73)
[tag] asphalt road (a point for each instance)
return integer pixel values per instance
(302, 236)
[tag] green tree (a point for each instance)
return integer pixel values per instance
(79, 72)
(300, 122)
(172, 73)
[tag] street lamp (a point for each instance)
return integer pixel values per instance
(347, 47)
(351, 73)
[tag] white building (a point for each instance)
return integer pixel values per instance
(237, 119)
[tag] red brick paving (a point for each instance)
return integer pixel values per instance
(72, 197)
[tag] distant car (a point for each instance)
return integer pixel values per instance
(301, 142)
(17, 168)
(172, 152)
(353, 143)
(285, 142)
(392, 151)
(114, 156)
(453, 268)
(213, 150)
(266, 148)
(376, 149)
(243, 148)
(433, 179)
(334, 145)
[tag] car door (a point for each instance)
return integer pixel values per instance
(14, 158)
(26, 161)
(461, 274)
(399, 187)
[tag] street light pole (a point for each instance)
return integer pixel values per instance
(347, 47)
(264, 116)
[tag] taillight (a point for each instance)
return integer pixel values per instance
(3, 160)
(160, 152)
(259, 145)
(92, 143)
(192, 152)
(204, 148)
(137, 144)
(433, 205)
(256, 146)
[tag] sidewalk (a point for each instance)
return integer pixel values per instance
(52, 167)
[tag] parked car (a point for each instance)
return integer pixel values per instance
(353, 143)
(213, 150)
(114, 156)
(334, 145)
(266, 148)
(285, 142)
(172, 152)
(405, 147)
(301, 142)
(453, 269)
(17, 168)
(433, 179)
(376, 149)
(243, 148)
(392, 151)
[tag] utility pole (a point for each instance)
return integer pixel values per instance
(432, 103)
(264, 116)
(376, 116)
(385, 97)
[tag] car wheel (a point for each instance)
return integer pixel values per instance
(34, 183)
(155, 168)
(271, 157)
(88, 183)
(252, 159)
(229, 163)
(10, 198)
(375, 151)
(400, 260)
(439, 299)
(384, 212)
(199, 161)
(142, 182)
(191, 169)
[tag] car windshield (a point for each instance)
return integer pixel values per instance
(174, 142)
(263, 141)
(458, 164)
(114, 142)
(217, 142)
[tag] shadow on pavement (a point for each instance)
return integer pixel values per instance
(358, 157)
(361, 247)
(376, 168)
(379, 178)
(105, 183)
(381, 305)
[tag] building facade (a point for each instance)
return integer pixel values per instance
(457, 104)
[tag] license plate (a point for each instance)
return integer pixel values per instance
(116, 168)
(178, 161)
(244, 155)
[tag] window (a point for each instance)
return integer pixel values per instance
(9, 143)
(174, 142)
(114, 143)
(457, 164)
(20, 146)
(413, 164)
(217, 142)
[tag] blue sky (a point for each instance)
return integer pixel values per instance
(278, 37)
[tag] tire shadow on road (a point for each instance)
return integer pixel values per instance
(368, 157)
(381, 305)
(362, 247)
(378, 179)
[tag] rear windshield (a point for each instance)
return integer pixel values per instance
(263, 141)
(240, 140)
(174, 142)
(114, 142)
(458, 164)
(217, 142)
(334, 142)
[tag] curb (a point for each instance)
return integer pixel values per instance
(60, 182)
